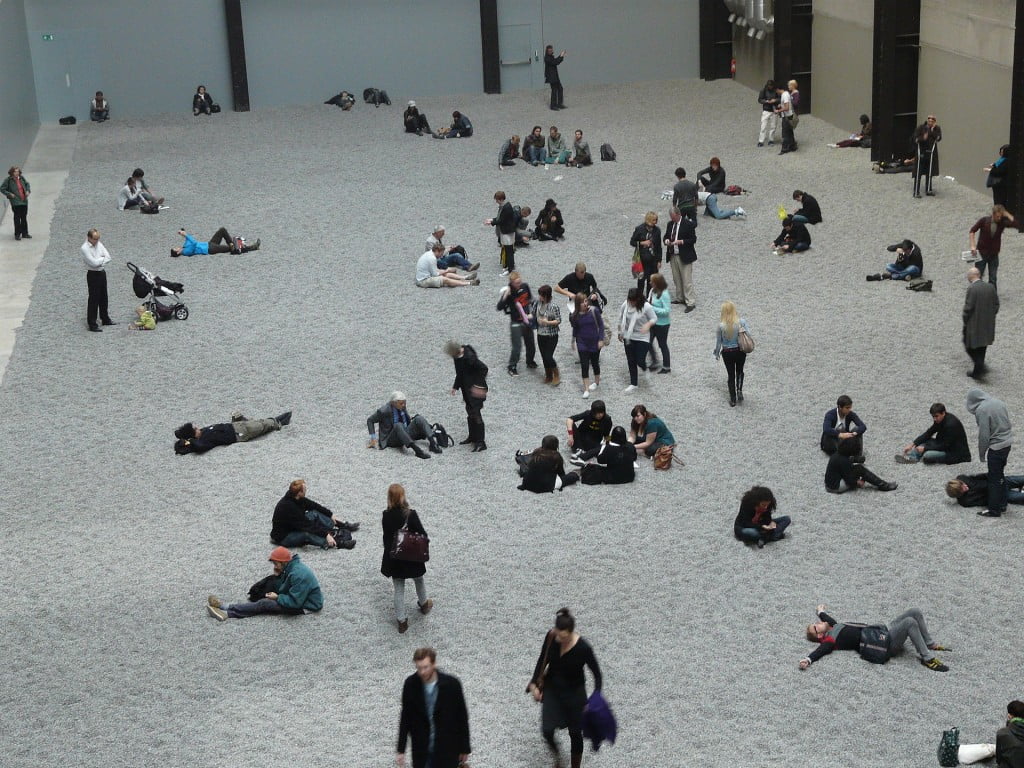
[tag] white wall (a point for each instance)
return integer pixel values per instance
(19, 117)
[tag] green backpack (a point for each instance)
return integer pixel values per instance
(949, 748)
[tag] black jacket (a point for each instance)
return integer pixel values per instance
(616, 462)
(768, 99)
(809, 207)
(913, 258)
(551, 63)
(654, 235)
(451, 722)
(713, 181)
(202, 101)
(948, 436)
(541, 470)
(747, 517)
(797, 233)
(1010, 745)
(290, 516)
(505, 221)
(212, 436)
(688, 234)
(391, 522)
(469, 371)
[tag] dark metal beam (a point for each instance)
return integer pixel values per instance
(236, 52)
(1015, 178)
(489, 46)
(715, 40)
(894, 77)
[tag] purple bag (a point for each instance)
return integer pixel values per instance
(598, 721)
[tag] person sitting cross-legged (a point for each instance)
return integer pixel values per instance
(909, 262)
(294, 591)
(945, 442)
(754, 523)
(543, 470)
(429, 276)
(614, 464)
(794, 237)
(398, 430)
(299, 521)
(587, 432)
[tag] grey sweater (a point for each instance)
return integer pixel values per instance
(994, 428)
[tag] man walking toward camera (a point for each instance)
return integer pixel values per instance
(434, 717)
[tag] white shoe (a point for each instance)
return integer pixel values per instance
(504, 273)
(586, 393)
(636, 465)
(630, 388)
(593, 386)
(740, 212)
(577, 461)
(832, 145)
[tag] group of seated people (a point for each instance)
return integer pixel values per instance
(136, 194)
(538, 150)
(444, 266)
(605, 454)
(416, 122)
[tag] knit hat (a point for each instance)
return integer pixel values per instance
(412, 103)
(280, 555)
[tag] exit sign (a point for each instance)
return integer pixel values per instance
(48, 37)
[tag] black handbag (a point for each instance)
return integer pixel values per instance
(259, 590)
(874, 644)
(410, 546)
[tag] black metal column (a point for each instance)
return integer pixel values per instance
(1015, 178)
(894, 78)
(715, 40)
(236, 52)
(794, 20)
(489, 46)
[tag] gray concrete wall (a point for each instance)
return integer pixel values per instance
(965, 80)
(146, 57)
(841, 50)
(19, 117)
(755, 59)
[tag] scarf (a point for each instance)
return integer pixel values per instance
(399, 417)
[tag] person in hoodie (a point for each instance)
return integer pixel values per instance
(1009, 747)
(995, 437)
(297, 591)
(832, 635)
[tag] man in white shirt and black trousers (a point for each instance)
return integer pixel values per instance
(95, 256)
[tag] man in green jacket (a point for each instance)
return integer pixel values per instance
(297, 591)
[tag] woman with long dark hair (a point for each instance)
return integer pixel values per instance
(647, 432)
(588, 328)
(754, 523)
(559, 684)
(636, 318)
(548, 317)
(661, 303)
(398, 515)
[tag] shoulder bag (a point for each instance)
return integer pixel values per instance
(544, 655)
(746, 341)
(949, 748)
(665, 456)
(409, 546)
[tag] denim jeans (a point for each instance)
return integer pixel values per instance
(520, 333)
(753, 535)
(454, 260)
(800, 218)
(992, 262)
(910, 624)
(421, 595)
(997, 488)
(535, 155)
(245, 610)
(903, 274)
(1016, 495)
(711, 204)
(636, 357)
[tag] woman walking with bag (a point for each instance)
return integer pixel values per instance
(559, 684)
(397, 516)
(729, 346)
(548, 317)
(636, 318)
(646, 240)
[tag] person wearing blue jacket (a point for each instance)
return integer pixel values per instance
(298, 591)
(221, 242)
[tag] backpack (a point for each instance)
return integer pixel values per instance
(69, 120)
(441, 436)
(607, 153)
(734, 190)
(874, 644)
(376, 97)
(949, 748)
(919, 284)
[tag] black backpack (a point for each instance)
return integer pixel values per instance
(874, 644)
(376, 97)
(69, 120)
(607, 153)
(440, 434)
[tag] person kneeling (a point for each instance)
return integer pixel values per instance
(295, 590)
(398, 430)
(543, 470)
(842, 475)
(754, 523)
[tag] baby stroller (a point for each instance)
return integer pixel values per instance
(148, 286)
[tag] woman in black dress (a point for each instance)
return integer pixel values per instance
(647, 239)
(559, 684)
(614, 462)
(395, 517)
(202, 102)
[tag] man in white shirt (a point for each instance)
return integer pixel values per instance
(785, 111)
(429, 276)
(95, 256)
(454, 255)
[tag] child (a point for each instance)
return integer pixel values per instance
(146, 321)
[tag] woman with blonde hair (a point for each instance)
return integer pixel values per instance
(647, 240)
(727, 346)
(397, 516)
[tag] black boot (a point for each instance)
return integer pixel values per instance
(284, 419)
(739, 388)
(419, 451)
(480, 444)
(472, 431)
(875, 480)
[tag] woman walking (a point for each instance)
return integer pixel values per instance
(661, 303)
(588, 328)
(727, 346)
(647, 240)
(17, 189)
(397, 516)
(559, 684)
(549, 317)
(636, 318)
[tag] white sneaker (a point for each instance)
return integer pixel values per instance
(740, 212)
(586, 393)
(593, 386)
(630, 388)
(636, 465)
(832, 145)
(504, 273)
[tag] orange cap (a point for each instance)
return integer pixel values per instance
(281, 555)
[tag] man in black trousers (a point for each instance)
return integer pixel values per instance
(551, 63)
(96, 257)
(434, 717)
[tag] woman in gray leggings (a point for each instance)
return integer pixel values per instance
(398, 515)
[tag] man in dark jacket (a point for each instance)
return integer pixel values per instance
(768, 99)
(981, 305)
(471, 381)
(945, 442)
(551, 77)
(505, 225)
(193, 439)
(972, 490)
(1010, 740)
(841, 424)
(909, 262)
(299, 521)
(810, 211)
(434, 717)
(398, 430)
(926, 139)
(793, 238)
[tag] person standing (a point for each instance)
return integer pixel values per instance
(559, 684)
(785, 113)
(396, 517)
(995, 438)
(684, 194)
(999, 175)
(434, 717)
(17, 189)
(471, 381)
(588, 329)
(990, 240)
(646, 239)
(96, 257)
(662, 306)
(636, 318)
(551, 77)
(505, 225)
(516, 301)
(727, 347)
(926, 139)
(981, 305)
(768, 99)
(548, 317)
(680, 239)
